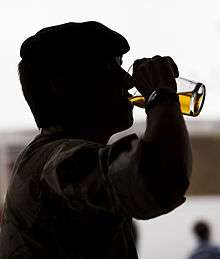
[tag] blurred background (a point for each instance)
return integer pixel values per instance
(188, 31)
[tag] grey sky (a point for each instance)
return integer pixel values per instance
(189, 31)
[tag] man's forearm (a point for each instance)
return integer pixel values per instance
(172, 159)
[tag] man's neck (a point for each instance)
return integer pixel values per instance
(77, 134)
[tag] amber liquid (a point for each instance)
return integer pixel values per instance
(190, 103)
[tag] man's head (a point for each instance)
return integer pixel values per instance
(70, 75)
(201, 230)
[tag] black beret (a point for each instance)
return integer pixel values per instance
(77, 40)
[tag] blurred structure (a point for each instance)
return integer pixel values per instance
(11, 144)
(205, 137)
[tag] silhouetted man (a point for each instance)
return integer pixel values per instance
(205, 248)
(71, 194)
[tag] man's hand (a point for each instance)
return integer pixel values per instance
(150, 74)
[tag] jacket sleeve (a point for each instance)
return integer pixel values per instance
(142, 188)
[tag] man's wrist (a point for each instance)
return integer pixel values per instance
(160, 95)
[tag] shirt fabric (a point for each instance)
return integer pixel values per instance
(206, 251)
(71, 198)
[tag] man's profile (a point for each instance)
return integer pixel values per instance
(72, 195)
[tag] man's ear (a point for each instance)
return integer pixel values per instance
(58, 86)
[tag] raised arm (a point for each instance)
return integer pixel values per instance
(169, 161)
